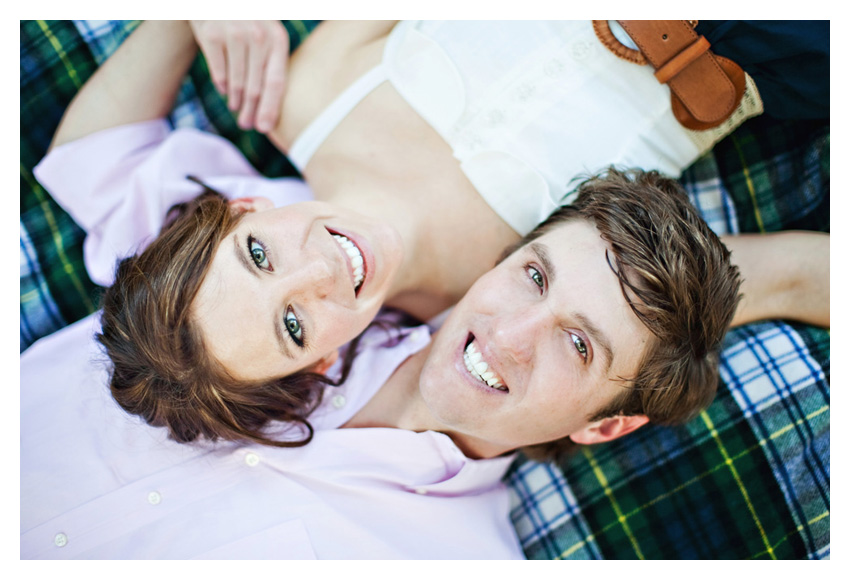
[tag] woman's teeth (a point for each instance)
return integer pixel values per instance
(356, 259)
(478, 368)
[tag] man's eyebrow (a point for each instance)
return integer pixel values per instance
(542, 253)
(277, 322)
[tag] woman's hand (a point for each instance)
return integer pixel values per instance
(248, 61)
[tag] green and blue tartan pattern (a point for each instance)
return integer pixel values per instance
(748, 478)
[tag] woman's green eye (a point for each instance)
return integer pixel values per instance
(258, 253)
(293, 326)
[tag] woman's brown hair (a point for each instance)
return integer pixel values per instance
(676, 276)
(160, 368)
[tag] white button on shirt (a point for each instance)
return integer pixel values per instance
(419, 334)
(338, 401)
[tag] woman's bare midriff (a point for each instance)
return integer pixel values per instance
(384, 155)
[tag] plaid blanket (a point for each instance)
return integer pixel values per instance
(748, 478)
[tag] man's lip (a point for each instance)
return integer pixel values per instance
(365, 251)
(460, 365)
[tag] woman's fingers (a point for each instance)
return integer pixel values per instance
(248, 62)
(274, 84)
(253, 87)
(210, 38)
(236, 52)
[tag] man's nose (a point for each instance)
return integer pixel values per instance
(516, 332)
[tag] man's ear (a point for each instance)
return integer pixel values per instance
(250, 204)
(325, 363)
(608, 429)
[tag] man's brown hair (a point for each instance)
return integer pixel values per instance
(678, 279)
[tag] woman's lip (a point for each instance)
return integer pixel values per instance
(365, 251)
(460, 366)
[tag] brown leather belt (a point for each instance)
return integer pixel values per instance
(705, 88)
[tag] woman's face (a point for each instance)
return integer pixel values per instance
(289, 286)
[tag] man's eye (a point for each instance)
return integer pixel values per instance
(293, 326)
(536, 276)
(258, 254)
(581, 347)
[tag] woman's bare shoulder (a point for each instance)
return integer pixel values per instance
(334, 55)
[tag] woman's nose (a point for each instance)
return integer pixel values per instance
(314, 276)
(318, 276)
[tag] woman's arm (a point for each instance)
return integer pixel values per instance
(785, 275)
(139, 82)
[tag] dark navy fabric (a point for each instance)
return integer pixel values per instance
(788, 59)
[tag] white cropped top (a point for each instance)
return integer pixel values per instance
(527, 107)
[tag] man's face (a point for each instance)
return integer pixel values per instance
(552, 326)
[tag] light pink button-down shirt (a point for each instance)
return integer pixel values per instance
(98, 483)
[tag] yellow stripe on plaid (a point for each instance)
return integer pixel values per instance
(750, 187)
(610, 494)
(72, 72)
(797, 423)
(578, 545)
(662, 497)
(57, 236)
(708, 423)
(784, 539)
(762, 442)
(31, 295)
(300, 28)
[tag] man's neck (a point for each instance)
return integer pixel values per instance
(399, 405)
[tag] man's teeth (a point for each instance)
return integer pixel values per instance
(478, 368)
(355, 256)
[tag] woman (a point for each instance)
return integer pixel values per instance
(297, 299)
